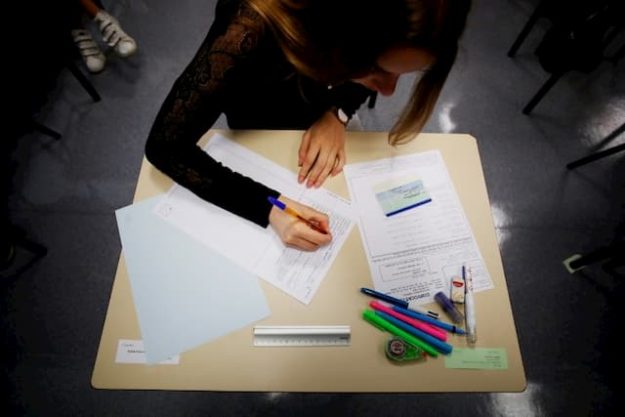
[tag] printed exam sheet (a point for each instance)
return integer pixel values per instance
(259, 250)
(416, 246)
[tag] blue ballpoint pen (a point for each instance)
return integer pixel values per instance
(446, 326)
(397, 302)
(292, 212)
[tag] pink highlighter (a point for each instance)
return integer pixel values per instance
(432, 331)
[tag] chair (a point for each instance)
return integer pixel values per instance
(601, 154)
(84, 82)
(580, 35)
(18, 239)
(37, 59)
(611, 257)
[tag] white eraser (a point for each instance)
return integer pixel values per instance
(457, 290)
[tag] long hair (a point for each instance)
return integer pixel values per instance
(332, 40)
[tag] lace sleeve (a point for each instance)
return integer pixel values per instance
(193, 105)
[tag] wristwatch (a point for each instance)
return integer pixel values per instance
(341, 116)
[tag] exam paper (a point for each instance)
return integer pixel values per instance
(414, 253)
(259, 250)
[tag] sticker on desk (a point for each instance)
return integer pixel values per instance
(397, 195)
(132, 351)
(477, 358)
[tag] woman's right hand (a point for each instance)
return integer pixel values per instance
(295, 232)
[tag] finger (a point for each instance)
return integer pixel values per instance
(310, 160)
(323, 172)
(303, 148)
(339, 164)
(301, 243)
(316, 231)
(324, 175)
(321, 228)
(321, 168)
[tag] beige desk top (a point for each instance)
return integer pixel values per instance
(232, 363)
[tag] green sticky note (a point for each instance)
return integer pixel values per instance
(477, 358)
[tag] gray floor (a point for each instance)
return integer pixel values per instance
(66, 192)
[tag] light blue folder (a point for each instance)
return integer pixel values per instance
(185, 294)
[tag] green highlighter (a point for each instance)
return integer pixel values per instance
(380, 323)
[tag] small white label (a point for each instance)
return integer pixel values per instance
(132, 351)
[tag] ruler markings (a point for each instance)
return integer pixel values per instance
(301, 336)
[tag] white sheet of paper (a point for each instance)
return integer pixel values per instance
(185, 294)
(260, 250)
(414, 254)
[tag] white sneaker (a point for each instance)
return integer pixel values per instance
(89, 50)
(114, 36)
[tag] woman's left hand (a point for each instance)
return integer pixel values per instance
(322, 151)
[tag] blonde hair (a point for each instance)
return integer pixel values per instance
(331, 40)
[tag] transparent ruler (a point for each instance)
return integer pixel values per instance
(301, 336)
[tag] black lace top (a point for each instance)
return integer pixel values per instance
(240, 71)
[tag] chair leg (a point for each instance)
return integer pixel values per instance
(19, 239)
(83, 81)
(601, 154)
(597, 155)
(526, 30)
(45, 130)
(618, 55)
(541, 93)
(577, 262)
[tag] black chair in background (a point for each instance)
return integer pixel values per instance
(35, 61)
(611, 256)
(581, 33)
(601, 154)
(33, 64)
(82, 80)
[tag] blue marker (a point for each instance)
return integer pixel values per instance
(397, 302)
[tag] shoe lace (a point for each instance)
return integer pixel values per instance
(85, 43)
(112, 33)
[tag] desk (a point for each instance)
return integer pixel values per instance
(231, 363)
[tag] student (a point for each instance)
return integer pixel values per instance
(309, 65)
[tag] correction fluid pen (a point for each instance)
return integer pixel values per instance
(469, 306)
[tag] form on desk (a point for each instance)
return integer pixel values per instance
(415, 253)
(259, 250)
